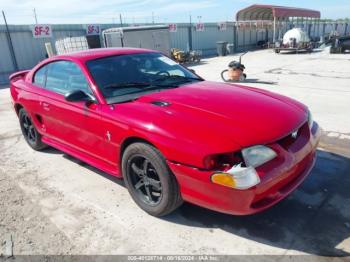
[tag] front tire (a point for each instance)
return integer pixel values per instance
(149, 180)
(31, 135)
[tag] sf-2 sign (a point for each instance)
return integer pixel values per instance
(93, 30)
(41, 31)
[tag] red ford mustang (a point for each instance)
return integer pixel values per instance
(172, 136)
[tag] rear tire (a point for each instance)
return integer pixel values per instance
(149, 180)
(31, 135)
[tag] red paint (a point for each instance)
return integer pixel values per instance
(203, 119)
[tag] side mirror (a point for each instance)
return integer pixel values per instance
(79, 96)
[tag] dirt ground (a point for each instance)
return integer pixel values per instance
(52, 203)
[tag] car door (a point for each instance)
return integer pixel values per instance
(72, 124)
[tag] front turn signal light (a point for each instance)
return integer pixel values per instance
(223, 179)
(237, 177)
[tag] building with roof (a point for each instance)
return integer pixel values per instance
(276, 14)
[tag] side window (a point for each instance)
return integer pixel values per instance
(40, 77)
(65, 76)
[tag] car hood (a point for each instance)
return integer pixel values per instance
(219, 114)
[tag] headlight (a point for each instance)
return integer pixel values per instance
(310, 120)
(237, 177)
(257, 155)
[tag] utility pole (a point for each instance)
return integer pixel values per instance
(121, 20)
(35, 16)
(190, 35)
(152, 17)
(9, 40)
(274, 29)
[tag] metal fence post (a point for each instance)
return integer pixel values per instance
(244, 42)
(324, 29)
(235, 38)
(309, 29)
(190, 37)
(9, 41)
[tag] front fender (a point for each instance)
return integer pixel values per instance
(181, 149)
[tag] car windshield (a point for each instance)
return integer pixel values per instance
(125, 77)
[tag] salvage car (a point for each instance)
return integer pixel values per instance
(171, 135)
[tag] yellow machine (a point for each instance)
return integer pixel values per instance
(185, 57)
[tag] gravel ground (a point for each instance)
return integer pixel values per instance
(52, 203)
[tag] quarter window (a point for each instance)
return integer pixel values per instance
(40, 77)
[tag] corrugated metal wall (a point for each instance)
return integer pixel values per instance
(180, 38)
(206, 41)
(6, 65)
(29, 51)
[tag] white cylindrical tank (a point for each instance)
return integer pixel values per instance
(298, 34)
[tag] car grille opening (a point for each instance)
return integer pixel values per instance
(293, 142)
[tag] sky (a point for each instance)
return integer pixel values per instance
(144, 11)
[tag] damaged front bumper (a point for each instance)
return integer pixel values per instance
(278, 178)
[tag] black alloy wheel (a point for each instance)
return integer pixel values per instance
(31, 135)
(145, 180)
(149, 180)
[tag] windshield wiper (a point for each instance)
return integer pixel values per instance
(155, 87)
(126, 85)
(146, 86)
(152, 87)
(175, 77)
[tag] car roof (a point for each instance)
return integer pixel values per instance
(92, 54)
